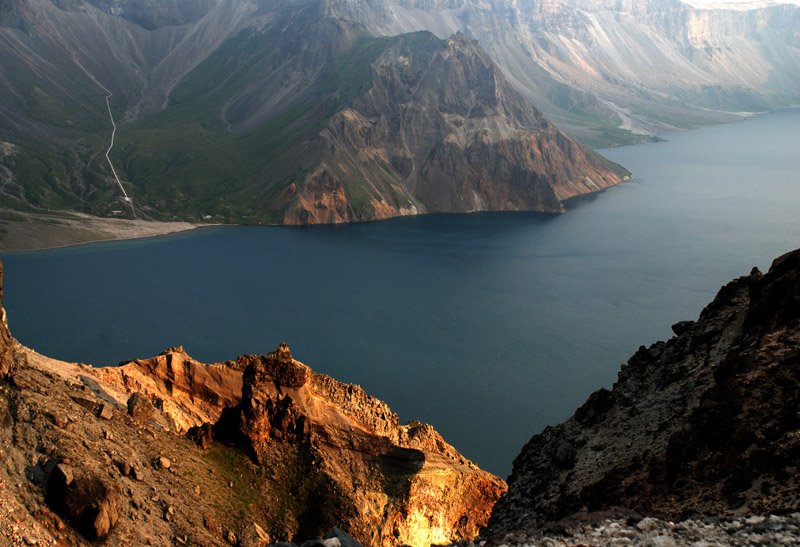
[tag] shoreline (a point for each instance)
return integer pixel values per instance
(20, 232)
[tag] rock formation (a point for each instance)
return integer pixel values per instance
(7, 349)
(101, 454)
(441, 130)
(703, 424)
(189, 393)
(392, 484)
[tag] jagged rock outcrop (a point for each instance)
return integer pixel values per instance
(441, 130)
(7, 351)
(188, 392)
(91, 454)
(391, 484)
(703, 424)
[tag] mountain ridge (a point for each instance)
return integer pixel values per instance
(218, 101)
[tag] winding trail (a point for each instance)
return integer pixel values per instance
(42, 24)
(110, 146)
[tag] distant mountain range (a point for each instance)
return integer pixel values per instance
(308, 111)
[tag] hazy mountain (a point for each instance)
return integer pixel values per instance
(246, 109)
(242, 111)
(646, 65)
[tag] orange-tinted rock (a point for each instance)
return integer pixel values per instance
(189, 392)
(389, 484)
(7, 343)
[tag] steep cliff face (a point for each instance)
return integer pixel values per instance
(705, 423)
(392, 484)
(441, 130)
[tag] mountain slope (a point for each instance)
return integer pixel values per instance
(225, 106)
(703, 424)
(265, 113)
(593, 65)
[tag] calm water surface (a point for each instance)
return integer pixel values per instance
(488, 326)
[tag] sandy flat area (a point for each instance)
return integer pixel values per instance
(26, 231)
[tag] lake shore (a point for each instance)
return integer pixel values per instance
(39, 231)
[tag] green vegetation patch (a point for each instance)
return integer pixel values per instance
(186, 162)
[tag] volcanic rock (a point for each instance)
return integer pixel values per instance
(390, 483)
(441, 130)
(703, 424)
(140, 408)
(7, 352)
(90, 501)
(188, 392)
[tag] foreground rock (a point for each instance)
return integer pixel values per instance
(354, 463)
(617, 526)
(704, 424)
(92, 455)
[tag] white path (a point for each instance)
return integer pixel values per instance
(110, 146)
(46, 28)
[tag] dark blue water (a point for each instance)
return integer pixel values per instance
(488, 326)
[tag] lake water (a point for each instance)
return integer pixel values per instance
(488, 326)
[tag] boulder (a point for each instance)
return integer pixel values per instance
(344, 539)
(253, 535)
(90, 501)
(140, 408)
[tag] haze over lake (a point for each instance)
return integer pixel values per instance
(489, 326)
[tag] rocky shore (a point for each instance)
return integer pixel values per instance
(617, 527)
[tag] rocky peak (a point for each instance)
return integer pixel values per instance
(351, 443)
(441, 130)
(703, 424)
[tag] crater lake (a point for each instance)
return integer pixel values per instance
(489, 326)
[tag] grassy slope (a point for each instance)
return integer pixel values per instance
(185, 162)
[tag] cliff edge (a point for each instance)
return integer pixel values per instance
(170, 451)
(703, 424)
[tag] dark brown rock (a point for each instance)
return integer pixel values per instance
(704, 424)
(140, 408)
(91, 502)
(203, 435)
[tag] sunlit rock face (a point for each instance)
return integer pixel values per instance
(7, 352)
(390, 483)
